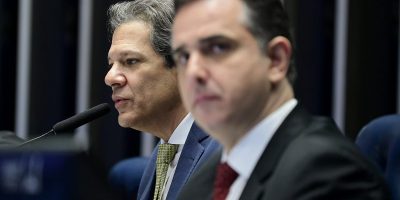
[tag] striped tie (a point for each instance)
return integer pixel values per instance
(166, 153)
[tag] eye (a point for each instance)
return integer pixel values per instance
(181, 58)
(131, 61)
(219, 48)
(216, 48)
(110, 65)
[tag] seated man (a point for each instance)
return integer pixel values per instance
(145, 91)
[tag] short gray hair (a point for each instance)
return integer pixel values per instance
(158, 14)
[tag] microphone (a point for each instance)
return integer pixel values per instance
(81, 118)
(76, 121)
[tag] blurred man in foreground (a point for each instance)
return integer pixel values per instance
(235, 77)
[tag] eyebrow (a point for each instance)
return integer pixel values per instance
(202, 42)
(213, 38)
(125, 53)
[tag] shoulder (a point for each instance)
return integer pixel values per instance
(321, 145)
(321, 154)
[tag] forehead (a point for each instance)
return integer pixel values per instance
(205, 18)
(133, 30)
(132, 36)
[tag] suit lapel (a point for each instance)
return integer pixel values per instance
(149, 176)
(191, 153)
(201, 183)
(292, 126)
(209, 174)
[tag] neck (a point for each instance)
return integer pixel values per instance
(168, 123)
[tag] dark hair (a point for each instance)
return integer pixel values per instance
(266, 19)
(158, 14)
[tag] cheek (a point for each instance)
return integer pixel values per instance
(185, 97)
(183, 86)
(139, 89)
(166, 85)
(136, 84)
(242, 83)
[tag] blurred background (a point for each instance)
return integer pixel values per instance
(53, 59)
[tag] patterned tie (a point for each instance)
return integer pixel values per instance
(166, 153)
(225, 177)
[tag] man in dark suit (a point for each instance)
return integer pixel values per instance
(235, 77)
(144, 85)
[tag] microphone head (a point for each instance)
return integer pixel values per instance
(82, 118)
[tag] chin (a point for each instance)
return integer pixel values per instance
(209, 125)
(123, 122)
(216, 124)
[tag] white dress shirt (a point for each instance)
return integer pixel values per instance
(245, 154)
(178, 137)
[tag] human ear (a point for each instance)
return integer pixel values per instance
(279, 51)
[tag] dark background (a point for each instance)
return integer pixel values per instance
(371, 67)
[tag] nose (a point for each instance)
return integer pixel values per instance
(114, 77)
(197, 72)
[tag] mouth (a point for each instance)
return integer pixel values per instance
(205, 99)
(119, 101)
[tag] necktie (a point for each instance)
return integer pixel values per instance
(166, 153)
(225, 177)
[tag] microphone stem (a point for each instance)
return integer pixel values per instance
(38, 137)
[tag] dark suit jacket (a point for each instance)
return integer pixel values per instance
(198, 148)
(307, 158)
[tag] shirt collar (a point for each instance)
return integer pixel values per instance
(182, 131)
(246, 153)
